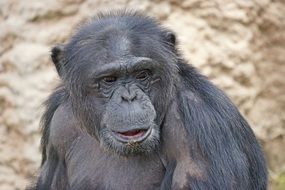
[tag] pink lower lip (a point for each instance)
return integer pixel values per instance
(135, 133)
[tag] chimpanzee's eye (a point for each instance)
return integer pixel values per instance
(109, 79)
(143, 75)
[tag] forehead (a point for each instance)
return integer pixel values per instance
(112, 39)
(114, 45)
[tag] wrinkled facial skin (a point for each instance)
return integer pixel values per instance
(117, 107)
(128, 125)
(128, 122)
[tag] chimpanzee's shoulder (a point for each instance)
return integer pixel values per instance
(64, 128)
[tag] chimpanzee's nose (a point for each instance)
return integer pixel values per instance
(129, 96)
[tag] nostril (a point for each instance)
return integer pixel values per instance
(133, 98)
(124, 99)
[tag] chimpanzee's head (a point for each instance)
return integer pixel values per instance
(120, 71)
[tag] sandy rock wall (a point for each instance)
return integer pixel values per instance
(238, 44)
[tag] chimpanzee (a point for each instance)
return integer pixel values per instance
(131, 114)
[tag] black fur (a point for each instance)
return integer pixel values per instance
(199, 140)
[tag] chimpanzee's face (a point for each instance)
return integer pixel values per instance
(120, 91)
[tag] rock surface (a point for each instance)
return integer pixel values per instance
(239, 45)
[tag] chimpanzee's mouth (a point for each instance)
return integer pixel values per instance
(136, 135)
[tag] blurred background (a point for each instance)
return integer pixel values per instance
(238, 44)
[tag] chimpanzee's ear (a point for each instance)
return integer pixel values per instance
(57, 56)
(170, 37)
